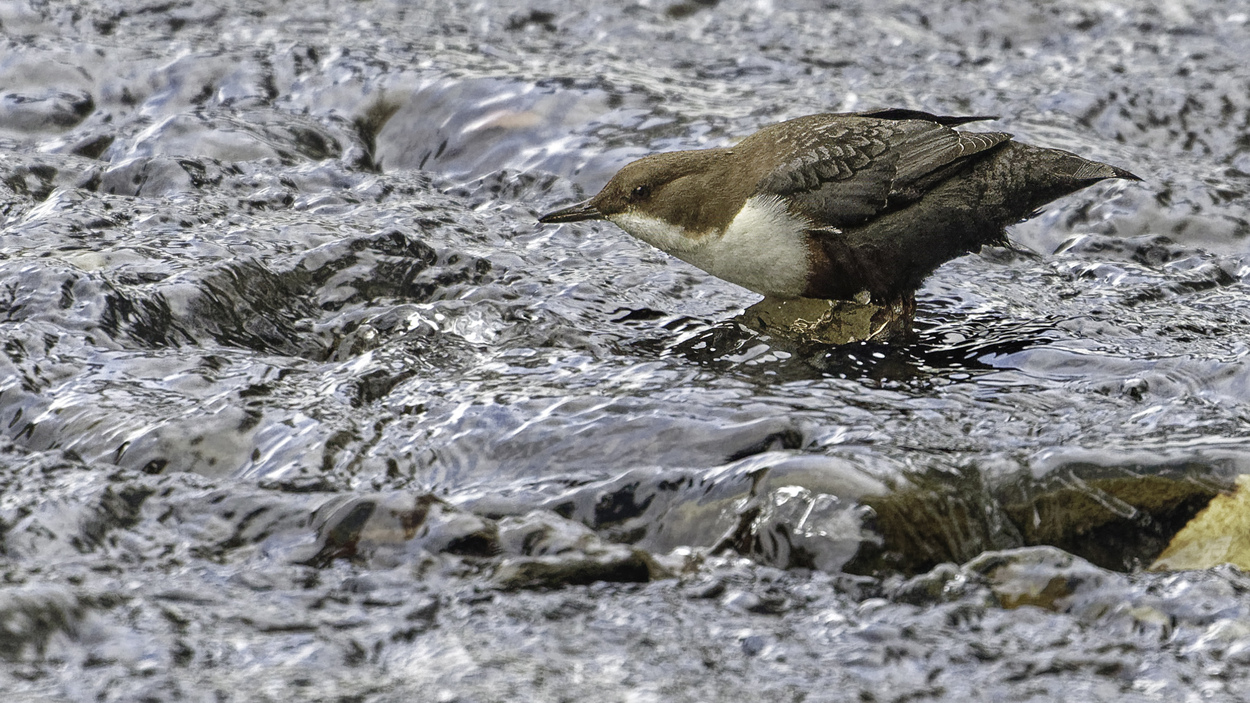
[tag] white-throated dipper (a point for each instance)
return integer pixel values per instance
(832, 205)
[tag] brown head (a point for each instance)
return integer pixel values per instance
(691, 190)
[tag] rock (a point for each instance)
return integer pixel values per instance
(831, 321)
(1044, 577)
(1220, 534)
(1115, 518)
(46, 111)
(551, 552)
(387, 529)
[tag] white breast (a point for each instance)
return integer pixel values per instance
(763, 249)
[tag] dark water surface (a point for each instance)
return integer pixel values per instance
(300, 403)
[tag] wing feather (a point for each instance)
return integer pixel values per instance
(843, 169)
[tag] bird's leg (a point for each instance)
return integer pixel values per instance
(893, 318)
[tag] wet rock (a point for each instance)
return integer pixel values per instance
(1219, 534)
(1118, 519)
(831, 321)
(793, 527)
(386, 530)
(785, 509)
(35, 181)
(1044, 577)
(936, 517)
(611, 563)
(546, 551)
(942, 583)
(91, 146)
(235, 137)
(51, 110)
(147, 177)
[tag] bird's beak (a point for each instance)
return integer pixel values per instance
(574, 213)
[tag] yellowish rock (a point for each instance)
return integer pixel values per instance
(1220, 534)
(832, 321)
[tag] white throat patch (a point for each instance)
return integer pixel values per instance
(763, 249)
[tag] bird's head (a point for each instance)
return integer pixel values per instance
(660, 198)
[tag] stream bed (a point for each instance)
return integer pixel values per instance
(299, 402)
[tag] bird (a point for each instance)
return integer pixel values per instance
(838, 206)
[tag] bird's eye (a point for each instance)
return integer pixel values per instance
(642, 192)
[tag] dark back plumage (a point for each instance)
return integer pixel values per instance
(844, 169)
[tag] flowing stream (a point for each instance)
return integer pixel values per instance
(298, 401)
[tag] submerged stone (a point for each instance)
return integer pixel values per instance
(1117, 522)
(831, 321)
(544, 550)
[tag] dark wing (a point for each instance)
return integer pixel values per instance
(841, 170)
(928, 155)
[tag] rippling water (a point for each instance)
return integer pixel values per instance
(271, 273)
